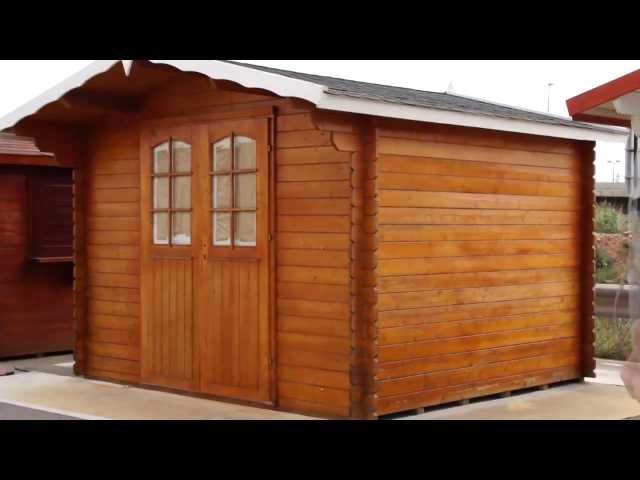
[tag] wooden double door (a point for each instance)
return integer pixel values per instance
(205, 258)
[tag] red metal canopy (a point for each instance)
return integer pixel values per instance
(596, 105)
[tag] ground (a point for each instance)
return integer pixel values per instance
(45, 388)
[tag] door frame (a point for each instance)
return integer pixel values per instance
(172, 121)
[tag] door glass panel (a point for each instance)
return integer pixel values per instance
(181, 228)
(245, 190)
(181, 157)
(221, 191)
(221, 228)
(222, 155)
(181, 192)
(161, 158)
(245, 229)
(161, 228)
(161, 192)
(245, 153)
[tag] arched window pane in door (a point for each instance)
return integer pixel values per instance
(234, 191)
(171, 191)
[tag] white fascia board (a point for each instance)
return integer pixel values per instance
(447, 117)
(56, 92)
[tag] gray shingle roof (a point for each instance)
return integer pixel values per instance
(421, 98)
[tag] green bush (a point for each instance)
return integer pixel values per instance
(606, 271)
(613, 338)
(609, 220)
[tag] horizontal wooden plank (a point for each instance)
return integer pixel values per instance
(411, 198)
(417, 333)
(312, 291)
(461, 184)
(113, 308)
(463, 168)
(339, 362)
(309, 156)
(419, 233)
(121, 195)
(114, 294)
(116, 181)
(403, 351)
(303, 138)
(327, 276)
(314, 206)
(399, 300)
(416, 148)
(113, 266)
(314, 241)
(443, 133)
(476, 358)
(313, 308)
(317, 224)
(313, 258)
(459, 392)
(126, 163)
(313, 376)
(114, 223)
(423, 266)
(108, 364)
(313, 172)
(300, 121)
(112, 209)
(314, 343)
(114, 322)
(412, 283)
(314, 394)
(417, 383)
(461, 216)
(312, 408)
(314, 326)
(452, 313)
(112, 350)
(117, 336)
(328, 189)
(475, 248)
(98, 279)
(113, 251)
(104, 237)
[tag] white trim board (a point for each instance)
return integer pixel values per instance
(317, 95)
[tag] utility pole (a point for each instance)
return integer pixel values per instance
(549, 85)
(613, 169)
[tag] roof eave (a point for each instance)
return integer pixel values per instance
(319, 96)
(432, 115)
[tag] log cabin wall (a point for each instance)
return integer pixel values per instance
(482, 263)
(313, 241)
(35, 298)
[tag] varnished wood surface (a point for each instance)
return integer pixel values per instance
(480, 264)
(35, 297)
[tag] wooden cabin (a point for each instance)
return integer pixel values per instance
(36, 269)
(320, 245)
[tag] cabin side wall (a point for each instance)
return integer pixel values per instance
(484, 263)
(35, 298)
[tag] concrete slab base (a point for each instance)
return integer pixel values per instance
(89, 399)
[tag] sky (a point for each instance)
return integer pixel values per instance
(520, 83)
